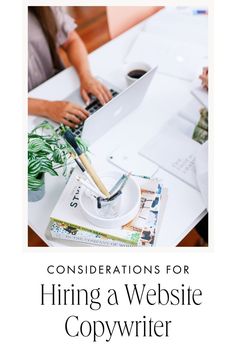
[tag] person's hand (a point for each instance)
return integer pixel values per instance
(64, 112)
(204, 78)
(90, 85)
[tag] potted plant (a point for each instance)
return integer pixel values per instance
(47, 152)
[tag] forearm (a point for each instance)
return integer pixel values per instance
(38, 107)
(61, 112)
(78, 56)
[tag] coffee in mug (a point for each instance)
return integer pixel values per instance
(134, 71)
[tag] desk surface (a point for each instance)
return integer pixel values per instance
(185, 207)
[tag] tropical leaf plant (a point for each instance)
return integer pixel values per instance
(48, 152)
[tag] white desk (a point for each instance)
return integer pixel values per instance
(166, 95)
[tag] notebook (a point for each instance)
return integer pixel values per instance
(173, 150)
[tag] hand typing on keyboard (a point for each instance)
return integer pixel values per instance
(92, 107)
(90, 85)
(95, 104)
(64, 112)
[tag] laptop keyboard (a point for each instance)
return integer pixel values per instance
(92, 107)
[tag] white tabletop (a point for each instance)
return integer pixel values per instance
(166, 96)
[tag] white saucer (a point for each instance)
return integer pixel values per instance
(130, 203)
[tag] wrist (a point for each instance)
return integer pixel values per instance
(38, 107)
(45, 108)
(85, 76)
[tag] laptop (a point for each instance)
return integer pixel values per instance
(103, 118)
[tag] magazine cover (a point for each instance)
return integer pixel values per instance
(115, 252)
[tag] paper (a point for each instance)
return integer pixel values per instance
(129, 161)
(174, 58)
(175, 152)
(180, 125)
(191, 111)
(200, 93)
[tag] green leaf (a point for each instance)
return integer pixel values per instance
(35, 183)
(31, 157)
(34, 167)
(51, 171)
(35, 144)
(43, 154)
(45, 125)
(46, 148)
(46, 165)
(82, 144)
(52, 141)
(59, 156)
(47, 151)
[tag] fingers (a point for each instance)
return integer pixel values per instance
(97, 92)
(102, 94)
(204, 79)
(74, 115)
(66, 112)
(204, 73)
(106, 93)
(80, 112)
(72, 118)
(100, 97)
(85, 96)
(68, 123)
(83, 110)
(97, 89)
(76, 109)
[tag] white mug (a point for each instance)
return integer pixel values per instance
(133, 67)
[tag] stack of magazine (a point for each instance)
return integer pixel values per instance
(68, 223)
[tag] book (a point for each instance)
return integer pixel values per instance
(174, 150)
(68, 223)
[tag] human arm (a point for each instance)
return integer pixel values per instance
(62, 112)
(77, 55)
